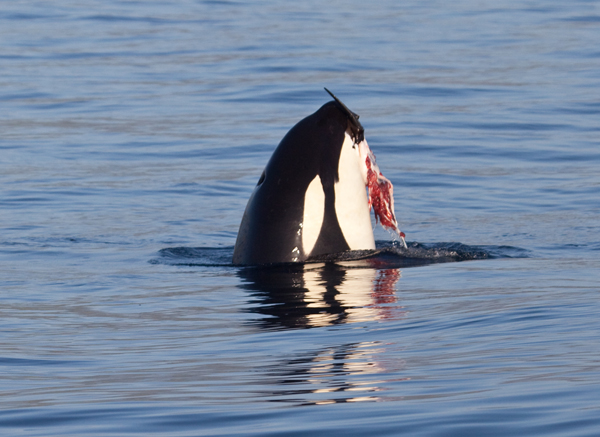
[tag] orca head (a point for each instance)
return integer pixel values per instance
(311, 199)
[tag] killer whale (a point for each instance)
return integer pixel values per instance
(311, 199)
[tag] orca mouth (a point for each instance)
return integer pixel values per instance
(381, 191)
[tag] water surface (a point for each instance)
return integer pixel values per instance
(132, 135)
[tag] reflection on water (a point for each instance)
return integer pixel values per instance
(316, 295)
(321, 295)
(315, 300)
(354, 372)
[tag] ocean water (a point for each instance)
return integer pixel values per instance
(131, 136)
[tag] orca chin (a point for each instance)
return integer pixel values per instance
(311, 200)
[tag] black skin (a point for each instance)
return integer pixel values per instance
(269, 230)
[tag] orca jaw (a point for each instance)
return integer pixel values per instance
(356, 129)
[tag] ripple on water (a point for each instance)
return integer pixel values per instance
(387, 255)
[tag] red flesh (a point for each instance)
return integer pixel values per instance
(380, 198)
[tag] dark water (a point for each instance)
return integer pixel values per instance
(131, 135)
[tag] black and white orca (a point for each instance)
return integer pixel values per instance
(311, 199)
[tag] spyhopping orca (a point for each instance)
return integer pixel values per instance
(311, 199)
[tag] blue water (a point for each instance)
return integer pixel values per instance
(131, 136)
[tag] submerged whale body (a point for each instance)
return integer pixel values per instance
(311, 199)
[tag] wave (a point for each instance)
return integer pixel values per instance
(387, 255)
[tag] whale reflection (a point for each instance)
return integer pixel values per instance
(319, 295)
(316, 295)
(353, 372)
